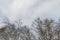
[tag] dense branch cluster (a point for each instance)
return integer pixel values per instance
(46, 29)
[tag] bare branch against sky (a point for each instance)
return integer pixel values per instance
(29, 19)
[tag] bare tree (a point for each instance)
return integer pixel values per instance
(44, 28)
(24, 33)
(57, 31)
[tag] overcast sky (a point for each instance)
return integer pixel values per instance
(27, 10)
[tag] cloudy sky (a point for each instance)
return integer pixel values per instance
(27, 10)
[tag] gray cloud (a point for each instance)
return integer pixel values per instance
(29, 9)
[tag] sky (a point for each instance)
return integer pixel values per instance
(28, 10)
